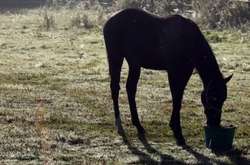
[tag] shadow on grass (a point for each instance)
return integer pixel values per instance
(202, 159)
(235, 156)
(145, 158)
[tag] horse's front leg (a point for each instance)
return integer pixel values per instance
(177, 82)
(175, 124)
(131, 86)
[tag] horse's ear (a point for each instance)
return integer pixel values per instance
(228, 78)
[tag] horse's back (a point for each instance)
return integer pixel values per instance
(148, 40)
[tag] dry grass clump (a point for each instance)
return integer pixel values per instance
(82, 20)
(68, 18)
(48, 21)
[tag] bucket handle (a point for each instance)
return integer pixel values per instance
(210, 143)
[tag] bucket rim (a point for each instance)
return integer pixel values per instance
(220, 127)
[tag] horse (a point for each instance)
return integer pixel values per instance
(173, 43)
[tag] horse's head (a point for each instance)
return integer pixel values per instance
(213, 98)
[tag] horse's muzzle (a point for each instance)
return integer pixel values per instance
(213, 117)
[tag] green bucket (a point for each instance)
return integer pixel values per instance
(219, 138)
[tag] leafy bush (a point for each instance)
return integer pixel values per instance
(161, 7)
(131, 4)
(221, 13)
(212, 13)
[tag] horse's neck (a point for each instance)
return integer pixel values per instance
(208, 69)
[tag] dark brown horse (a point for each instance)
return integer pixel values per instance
(174, 44)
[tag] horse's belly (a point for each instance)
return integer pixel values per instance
(155, 65)
(150, 62)
(152, 57)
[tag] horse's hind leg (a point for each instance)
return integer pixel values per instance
(131, 86)
(115, 64)
(178, 82)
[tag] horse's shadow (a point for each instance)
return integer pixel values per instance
(145, 158)
(235, 156)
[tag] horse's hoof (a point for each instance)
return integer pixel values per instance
(181, 142)
(120, 131)
(140, 130)
(119, 127)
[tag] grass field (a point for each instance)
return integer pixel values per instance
(55, 104)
